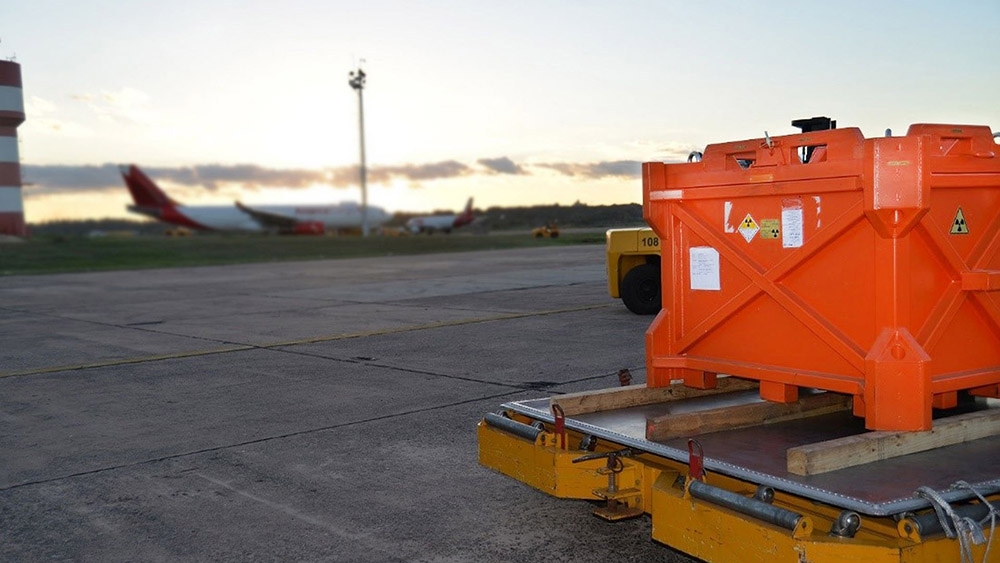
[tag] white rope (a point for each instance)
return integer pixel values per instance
(968, 531)
(991, 515)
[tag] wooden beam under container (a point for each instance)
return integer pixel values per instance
(823, 457)
(639, 395)
(689, 424)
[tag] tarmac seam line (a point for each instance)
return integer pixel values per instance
(236, 347)
(522, 386)
(256, 441)
(127, 361)
(433, 325)
(516, 390)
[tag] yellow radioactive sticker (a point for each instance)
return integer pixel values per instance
(958, 226)
(770, 228)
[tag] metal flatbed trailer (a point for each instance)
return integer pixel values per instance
(837, 280)
(739, 500)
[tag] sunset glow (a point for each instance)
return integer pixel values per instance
(509, 103)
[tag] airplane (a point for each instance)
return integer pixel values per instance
(151, 201)
(444, 223)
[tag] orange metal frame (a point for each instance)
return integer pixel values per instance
(874, 269)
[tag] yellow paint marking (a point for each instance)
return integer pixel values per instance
(126, 361)
(311, 340)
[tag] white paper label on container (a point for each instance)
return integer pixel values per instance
(705, 268)
(792, 221)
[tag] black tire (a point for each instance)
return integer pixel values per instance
(555, 234)
(640, 289)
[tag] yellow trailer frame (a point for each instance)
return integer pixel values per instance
(716, 527)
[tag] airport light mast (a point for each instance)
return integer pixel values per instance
(357, 82)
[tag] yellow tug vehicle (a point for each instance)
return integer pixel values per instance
(823, 379)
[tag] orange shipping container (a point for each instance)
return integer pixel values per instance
(869, 267)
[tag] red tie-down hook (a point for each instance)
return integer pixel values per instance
(560, 424)
(696, 460)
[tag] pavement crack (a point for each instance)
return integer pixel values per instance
(256, 441)
(291, 511)
(360, 361)
(238, 347)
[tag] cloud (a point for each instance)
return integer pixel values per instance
(248, 175)
(52, 179)
(44, 118)
(127, 105)
(37, 106)
(347, 176)
(676, 151)
(65, 179)
(604, 169)
(663, 151)
(502, 165)
(57, 179)
(415, 172)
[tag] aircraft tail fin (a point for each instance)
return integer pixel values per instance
(145, 192)
(467, 212)
(466, 216)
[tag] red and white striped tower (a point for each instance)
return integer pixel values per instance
(11, 115)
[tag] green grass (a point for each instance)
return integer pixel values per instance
(47, 255)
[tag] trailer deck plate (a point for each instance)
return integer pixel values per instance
(758, 455)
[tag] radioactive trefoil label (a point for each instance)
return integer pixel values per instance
(770, 228)
(749, 228)
(959, 226)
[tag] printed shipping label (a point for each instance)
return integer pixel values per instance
(792, 222)
(704, 266)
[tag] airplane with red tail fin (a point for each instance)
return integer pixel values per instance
(151, 201)
(444, 223)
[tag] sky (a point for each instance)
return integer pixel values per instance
(512, 103)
